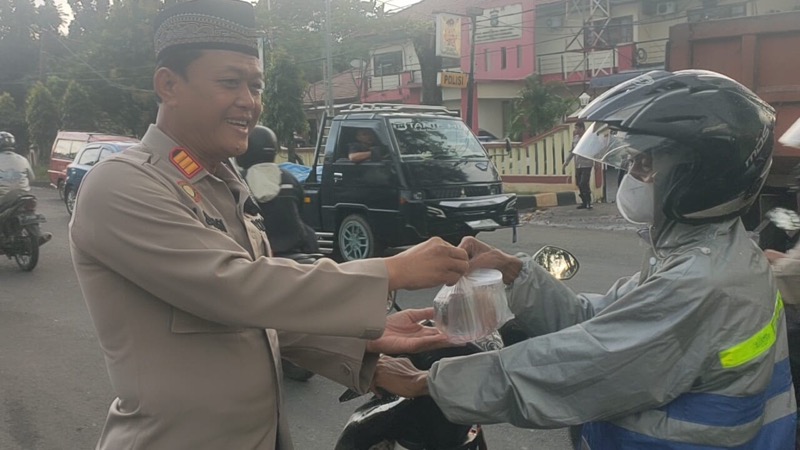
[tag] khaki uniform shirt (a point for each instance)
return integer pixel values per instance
(177, 279)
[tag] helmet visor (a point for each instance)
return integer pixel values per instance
(631, 152)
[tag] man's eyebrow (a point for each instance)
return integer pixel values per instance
(240, 72)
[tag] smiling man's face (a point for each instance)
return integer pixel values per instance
(217, 104)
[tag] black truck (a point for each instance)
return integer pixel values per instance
(428, 176)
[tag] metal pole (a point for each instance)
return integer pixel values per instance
(471, 78)
(328, 60)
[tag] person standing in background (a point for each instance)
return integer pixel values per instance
(583, 169)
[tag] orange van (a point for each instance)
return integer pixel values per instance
(66, 146)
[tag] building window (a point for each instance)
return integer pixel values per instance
(486, 60)
(503, 60)
(519, 56)
(716, 12)
(618, 30)
(388, 63)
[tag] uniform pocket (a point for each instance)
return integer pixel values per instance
(183, 322)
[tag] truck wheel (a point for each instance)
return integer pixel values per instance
(355, 239)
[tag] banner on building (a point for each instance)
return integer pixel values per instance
(452, 79)
(501, 23)
(448, 36)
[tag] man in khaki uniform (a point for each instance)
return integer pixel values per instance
(177, 274)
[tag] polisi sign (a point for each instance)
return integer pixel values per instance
(452, 79)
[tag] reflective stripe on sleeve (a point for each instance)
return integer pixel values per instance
(755, 345)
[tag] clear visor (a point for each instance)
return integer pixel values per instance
(792, 136)
(628, 151)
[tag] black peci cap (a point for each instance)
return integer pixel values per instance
(207, 25)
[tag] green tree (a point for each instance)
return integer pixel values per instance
(116, 63)
(19, 50)
(41, 114)
(13, 121)
(298, 27)
(77, 110)
(283, 99)
(424, 39)
(539, 107)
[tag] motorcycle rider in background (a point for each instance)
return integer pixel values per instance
(689, 353)
(15, 175)
(15, 170)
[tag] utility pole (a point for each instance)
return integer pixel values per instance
(473, 13)
(328, 60)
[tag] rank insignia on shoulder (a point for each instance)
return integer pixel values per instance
(181, 159)
(189, 190)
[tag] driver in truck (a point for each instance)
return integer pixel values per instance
(365, 147)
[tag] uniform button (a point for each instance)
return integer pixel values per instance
(652, 261)
(346, 369)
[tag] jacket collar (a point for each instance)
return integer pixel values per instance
(677, 235)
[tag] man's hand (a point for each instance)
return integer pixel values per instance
(773, 255)
(405, 334)
(429, 264)
(399, 377)
(483, 256)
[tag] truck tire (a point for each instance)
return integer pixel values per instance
(355, 239)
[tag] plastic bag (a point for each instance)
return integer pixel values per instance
(473, 308)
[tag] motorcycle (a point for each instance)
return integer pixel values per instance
(20, 236)
(289, 236)
(393, 423)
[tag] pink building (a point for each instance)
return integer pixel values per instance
(504, 57)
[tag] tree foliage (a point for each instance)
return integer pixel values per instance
(13, 120)
(298, 27)
(283, 99)
(42, 116)
(539, 107)
(77, 112)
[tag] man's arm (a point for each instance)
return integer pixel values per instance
(147, 236)
(358, 157)
(358, 152)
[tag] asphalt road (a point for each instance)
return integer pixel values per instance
(54, 389)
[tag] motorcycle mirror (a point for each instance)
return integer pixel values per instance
(785, 219)
(561, 264)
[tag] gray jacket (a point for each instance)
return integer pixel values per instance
(700, 320)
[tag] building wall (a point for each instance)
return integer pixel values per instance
(506, 25)
(559, 37)
(394, 81)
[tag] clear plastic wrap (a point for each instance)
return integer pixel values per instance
(473, 308)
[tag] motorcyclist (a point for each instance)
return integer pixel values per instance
(690, 352)
(15, 170)
(279, 195)
(15, 176)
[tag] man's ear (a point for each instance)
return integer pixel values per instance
(165, 83)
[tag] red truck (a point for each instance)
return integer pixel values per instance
(761, 53)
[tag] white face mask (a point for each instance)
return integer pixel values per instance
(635, 200)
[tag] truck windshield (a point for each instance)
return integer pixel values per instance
(434, 138)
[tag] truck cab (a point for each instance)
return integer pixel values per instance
(428, 175)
